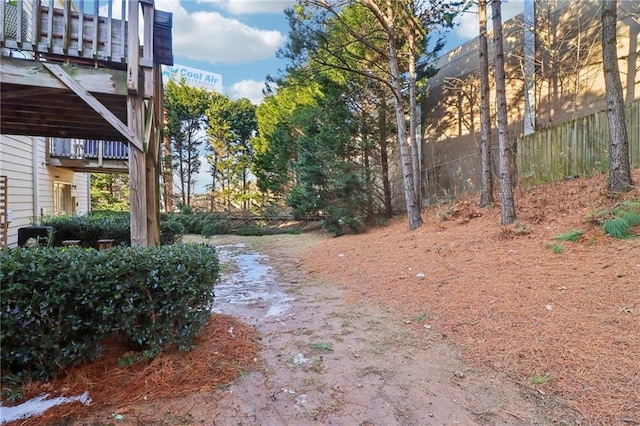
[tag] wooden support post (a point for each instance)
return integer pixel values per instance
(133, 48)
(153, 160)
(137, 179)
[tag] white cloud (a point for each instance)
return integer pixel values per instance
(250, 89)
(468, 21)
(210, 37)
(242, 7)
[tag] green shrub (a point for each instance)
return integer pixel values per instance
(617, 227)
(249, 230)
(340, 225)
(115, 225)
(171, 231)
(618, 220)
(169, 294)
(216, 225)
(57, 304)
(191, 222)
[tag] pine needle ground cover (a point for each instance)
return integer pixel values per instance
(565, 325)
(218, 359)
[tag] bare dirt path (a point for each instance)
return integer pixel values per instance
(324, 361)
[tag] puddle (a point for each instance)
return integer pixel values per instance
(251, 283)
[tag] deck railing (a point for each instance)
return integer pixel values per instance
(76, 149)
(94, 33)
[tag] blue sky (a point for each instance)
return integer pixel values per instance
(239, 38)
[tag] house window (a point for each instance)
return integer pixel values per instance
(62, 198)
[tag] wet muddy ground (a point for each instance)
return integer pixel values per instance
(326, 362)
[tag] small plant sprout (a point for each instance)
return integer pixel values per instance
(574, 236)
(521, 228)
(555, 248)
(421, 317)
(540, 379)
(321, 346)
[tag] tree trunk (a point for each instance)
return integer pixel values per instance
(486, 196)
(619, 168)
(506, 148)
(413, 209)
(415, 152)
(384, 157)
(388, 22)
(366, 154)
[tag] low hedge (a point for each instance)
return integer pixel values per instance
(116, 226)
(58, 304)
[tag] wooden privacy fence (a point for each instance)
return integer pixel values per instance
(576, 148)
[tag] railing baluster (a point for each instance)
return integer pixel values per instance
(19, 25)
(109, 23)
(123, 31)
(35, 24)
(81, 28)
(2, 22)
(96, 12)
(66, 28)
(50, 27)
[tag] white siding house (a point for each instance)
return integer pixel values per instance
(35, 188)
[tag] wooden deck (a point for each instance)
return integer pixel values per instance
(35, 99)
(87, 74)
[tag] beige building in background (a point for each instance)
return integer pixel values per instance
(554, 75)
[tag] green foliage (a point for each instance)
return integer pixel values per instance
(104, 224)
(110, 191)
(619, 221)
(328, 182)
(555, 248)
(540, 379)
(632, 218)
(232, 126)
(618, 227)
(214, 225)
(192, 223)
(88, 229)
(184, 208)
(421, 317)
(58, 304)
(275, 145)
(574, 235)
(250, 230)
(171, 231)
(47, 316)
(322, 346)
(186, 120)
